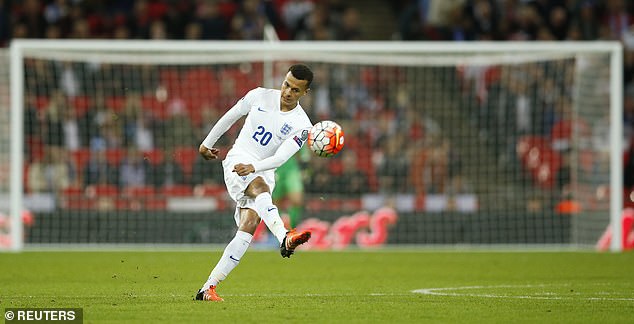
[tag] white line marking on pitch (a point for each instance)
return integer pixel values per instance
(450, 291)
(191, 295)
(446, 291)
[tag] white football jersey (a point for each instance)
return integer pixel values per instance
(265, 128)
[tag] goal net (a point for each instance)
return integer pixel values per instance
(445, 144)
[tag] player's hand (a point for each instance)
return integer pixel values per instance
(208, 153)
(243, 169)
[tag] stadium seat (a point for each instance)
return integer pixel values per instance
(335, 167)
(135, 197)
(25, 175)
(156, 10)
(563, 130)
(200, 86)
(75, 192)
(243, 81)
(369, 76)
(177, 191)
(157, 108)
(586, 159)
(492, 75)
(171, 80)
(185, 157)
(352, 204)
(154, 156)
(138, 191)
(115, 103)
(155, 203)
(123, 204)
(196, 76)
(316, 204)
(35, 147)
(80, 159)
(227, 9)
(364, 164)
(81, 104)
(115, 155)
(101, 190)
(209, 190)
(628, 197)
(78, 204)
(41, 102)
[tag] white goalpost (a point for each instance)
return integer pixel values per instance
(17, 146)
(494, 139)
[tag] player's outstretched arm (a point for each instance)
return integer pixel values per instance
(222, 125)
(208, 153)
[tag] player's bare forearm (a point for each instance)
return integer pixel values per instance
(208, 153)
(243, 169)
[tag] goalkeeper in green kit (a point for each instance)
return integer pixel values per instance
(289, 185)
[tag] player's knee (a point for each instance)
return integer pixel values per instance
(256, 187)
(249, 221)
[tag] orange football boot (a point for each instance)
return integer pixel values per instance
(292, 240)
(209, 295)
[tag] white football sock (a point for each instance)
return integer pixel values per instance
(270, 215)
(229, 259)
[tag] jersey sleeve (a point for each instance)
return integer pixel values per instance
(241, 108)
(283, 153)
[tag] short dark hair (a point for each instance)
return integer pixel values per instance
(302, 72)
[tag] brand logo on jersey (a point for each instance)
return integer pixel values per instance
(286, 128)
(260, 109)
(304, 134)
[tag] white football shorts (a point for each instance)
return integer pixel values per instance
(236, 185)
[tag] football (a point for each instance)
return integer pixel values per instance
(325, 138)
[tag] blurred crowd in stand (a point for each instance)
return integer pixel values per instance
(530, 110)
(138, 125)
(177, 19)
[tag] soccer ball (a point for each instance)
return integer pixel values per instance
(325, 138)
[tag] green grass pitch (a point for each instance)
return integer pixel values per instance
(325, 287)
